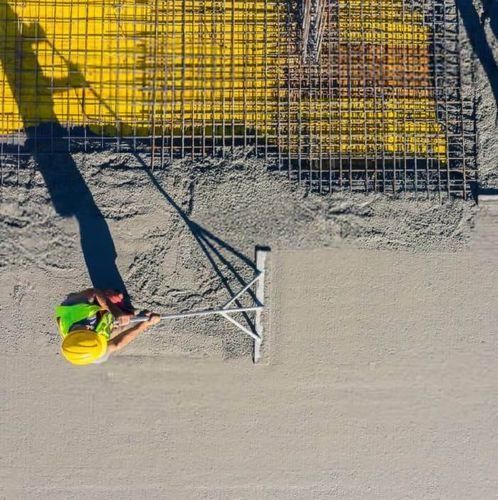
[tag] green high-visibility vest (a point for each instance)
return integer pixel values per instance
(70, 315)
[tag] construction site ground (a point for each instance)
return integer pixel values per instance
(378, 377)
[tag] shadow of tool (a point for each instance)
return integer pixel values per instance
(480, 193)
(490, 12)
(213, 247)
(49, 147)
(477, 36)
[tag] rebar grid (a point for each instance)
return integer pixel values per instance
(378, 108)
(382, 109)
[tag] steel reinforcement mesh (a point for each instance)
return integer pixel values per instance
(379, 108)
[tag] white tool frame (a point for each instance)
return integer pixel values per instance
(256, 332)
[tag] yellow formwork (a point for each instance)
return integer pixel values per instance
(379, 46)
(60, 59)
(381, 22)
(141, 66)
(410, 129)
(102, 62)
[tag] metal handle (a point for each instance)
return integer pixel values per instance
(202, 312)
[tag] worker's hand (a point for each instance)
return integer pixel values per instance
(123, 320)
(153, 319)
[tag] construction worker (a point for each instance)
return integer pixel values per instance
(87, 321)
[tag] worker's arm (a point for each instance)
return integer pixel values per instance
(124, 338)
(87, 294)
(100, 298)
(92, 294)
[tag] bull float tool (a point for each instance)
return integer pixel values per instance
(255, 331)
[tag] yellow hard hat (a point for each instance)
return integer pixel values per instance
(83, 347)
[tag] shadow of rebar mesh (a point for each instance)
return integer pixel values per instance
(378, 106)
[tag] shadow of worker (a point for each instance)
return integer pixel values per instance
(490, 13)
(46, 142)
(477, 36)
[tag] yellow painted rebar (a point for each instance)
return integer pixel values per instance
(128, 66)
